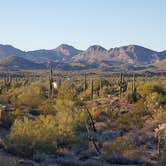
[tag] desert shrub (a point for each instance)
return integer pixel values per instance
(47, 108)
(9, 117)
(84, 96)
(105, 82)
(30, 96)
(68, 106)
(119, 151)
(151, 87)
(158, 89)
(130, 120)
(68, 111)
(105, 91)
(21, 95)
(153, 93)
(158, 117)
(133, 97)
(45, 134)
(133, 118)
(67, 91)
(29, 99)
(155, 100)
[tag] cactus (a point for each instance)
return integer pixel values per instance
(26, 81)
(92, 89)
(100, 87)
(122, 85)
(50, 82)
(85, 82)
(134, 89)
(7, 81)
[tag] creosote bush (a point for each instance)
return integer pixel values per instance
(47, 108)
(130, 119)
(67, 91)
(43, 134)
(9, 117)
(119, 151)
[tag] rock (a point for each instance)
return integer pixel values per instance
(25, 163)
(86, 154)
(110, 135)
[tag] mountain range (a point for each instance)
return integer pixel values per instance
(66, 57)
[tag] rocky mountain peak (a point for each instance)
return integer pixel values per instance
(67, 50)
(96, 48)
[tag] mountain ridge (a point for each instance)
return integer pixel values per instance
(16, 63)
(66, 56)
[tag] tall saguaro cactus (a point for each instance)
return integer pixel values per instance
(7, 81)
(85, 82)
(92, 89)
(50, 82)
(100, 87)
(122, 85)
(134, 89)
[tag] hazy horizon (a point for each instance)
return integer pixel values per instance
(40, 24)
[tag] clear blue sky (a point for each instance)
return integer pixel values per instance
(34, 24)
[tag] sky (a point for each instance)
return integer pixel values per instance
(45, 24)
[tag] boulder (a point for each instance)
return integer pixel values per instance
(25, 163)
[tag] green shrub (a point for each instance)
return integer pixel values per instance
(9, 117)
(151, 87)
(47, 108)
(67, 91)
(133, 97)
(155, 100)
(118, 150)
(45, 134)
(133, 118)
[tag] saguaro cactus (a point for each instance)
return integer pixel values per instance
(134, 89)
(92, 89)
(85, 82)
(122, 85)
(7, 81)
(50, 82)
(100, 87)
